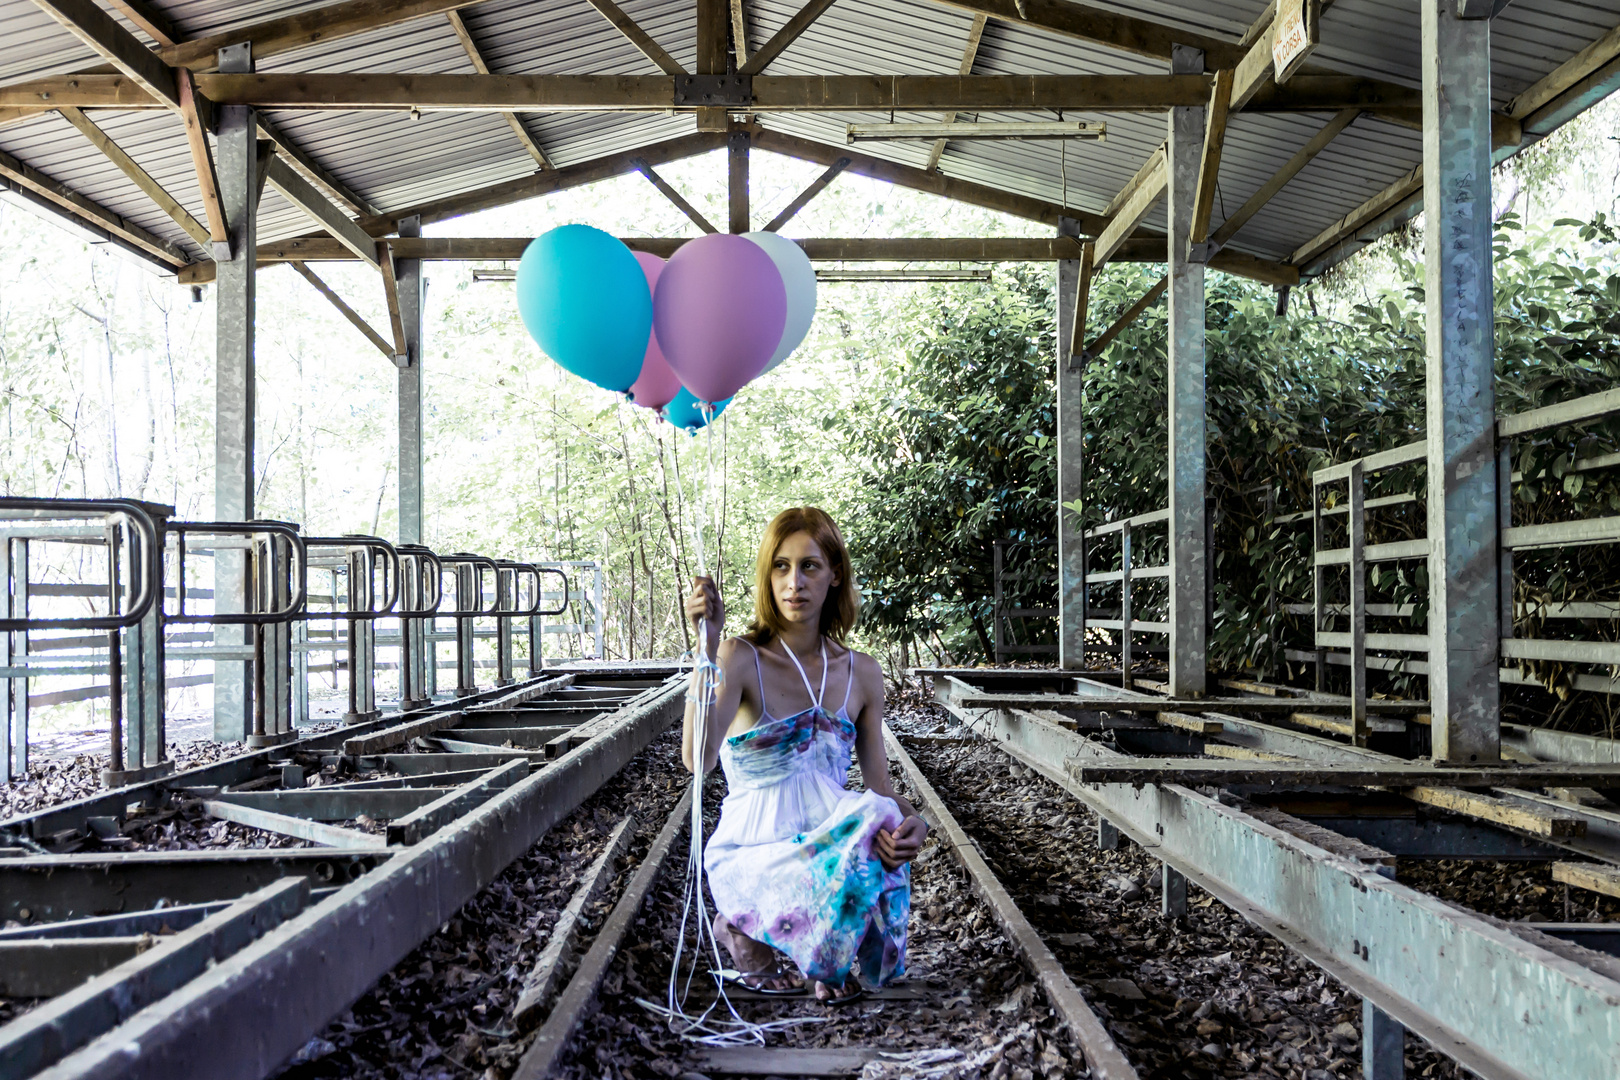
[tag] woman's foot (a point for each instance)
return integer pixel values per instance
(835, 995)
(755, 959)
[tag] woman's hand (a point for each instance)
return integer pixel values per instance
(704, 603)
(894, 849)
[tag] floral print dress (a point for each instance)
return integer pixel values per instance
(791, 863)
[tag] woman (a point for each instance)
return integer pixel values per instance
(799, 863)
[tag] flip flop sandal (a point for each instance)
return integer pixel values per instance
(839, 1002)
(740, 979)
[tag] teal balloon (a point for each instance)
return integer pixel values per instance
(585, 302)
(683, 410)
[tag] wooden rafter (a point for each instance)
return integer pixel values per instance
(1268, 191)
(157, 25)
(202, 161)
(479, 64)
(349, 313)
(142, 179)
(333, 22)
(1209, 164)
(1128, 316)
(116, 45)
(970, 53)
(1082, 301)
(44, 189)
(1132, 34)
(396, 320)
(638, 37)
(644, 167)
(1567, 77)
(790, 32)
(299, 159)
(817, 186)
(298, 191)
(713, 35)
(1133, 203)
(739, 33)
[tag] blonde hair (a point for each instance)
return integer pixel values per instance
(843, 600)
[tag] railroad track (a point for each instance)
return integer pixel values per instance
(149, 961)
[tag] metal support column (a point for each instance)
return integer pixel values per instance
(1126, 660)
(1383, 1044)
(142, 649)
(1358, 604)
(468, 598)
(1464, 606)
(14, 754)
(506, 599)
(1107, 834)
(737, 181)
(234, 406)
(1071, 469)
(1189, 562)
(411, 281)
(1172, 893)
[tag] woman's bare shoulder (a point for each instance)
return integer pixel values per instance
(734, 648)
(866, 667)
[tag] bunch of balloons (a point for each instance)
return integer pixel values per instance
(681, 336)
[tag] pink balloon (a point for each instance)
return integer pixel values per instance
(718, 313)
(657, 385)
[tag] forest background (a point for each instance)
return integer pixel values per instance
(920, 415)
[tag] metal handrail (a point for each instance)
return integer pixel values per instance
(560, 573)
(130, 511)
(517, 568)
(372, 545)
(295, 542)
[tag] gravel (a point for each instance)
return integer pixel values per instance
(1214, 997)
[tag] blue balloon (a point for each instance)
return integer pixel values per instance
(585, 301)
(683, 410)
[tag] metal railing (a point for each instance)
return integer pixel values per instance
(1127, 624)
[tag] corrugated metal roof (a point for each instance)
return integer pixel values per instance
(394, 161)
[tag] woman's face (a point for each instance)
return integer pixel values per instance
(800, 579)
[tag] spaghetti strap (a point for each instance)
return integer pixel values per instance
(759, 674)
(815, 698)
(849, 682)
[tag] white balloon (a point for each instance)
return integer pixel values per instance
(799, 280)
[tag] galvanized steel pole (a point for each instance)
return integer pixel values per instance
(1189, 565)
(1464, 607)
(408, 274)
(234, 404)
(1071, 469)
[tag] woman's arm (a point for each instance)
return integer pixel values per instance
(903, 844)
(705, 603)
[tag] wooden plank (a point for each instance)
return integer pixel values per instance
(739, 34)
(1143, 703)
(1593, 876)
(313, 171)
(1133, 203)
(287, 825)
(1342, 725)
(970, 53)
(1198, 725)
(540, 985)
(1131, 34)
(779, 41)
(525, 694)
(354, 317)
(470, 47)
(1530, 819)
(202, 163)
(31, 97)
(522, 738)
(339, 803)
(1242, 753)
(580, 992)
(399, 734)
(321, 25)
(89, 212)
(1209, 164)
(396, 320)
(1102, 1055)
(817, 186)
(116, 45)
(142, 179)
(1126, 318)
(638, 37)
(1082, 305)
(1566, 76)
(507, 753)
(644, 167)
(322, 211)
(155, 24)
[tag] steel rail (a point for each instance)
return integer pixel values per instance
(1103, 1055)
(317, 963)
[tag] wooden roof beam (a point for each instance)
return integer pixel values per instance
(790, 32)
(312, 170)
(1133, 203)
(1291, 168)
(90, 213)
(142, 179)
(1128, 33)
(470, 47)
(1209, 164)
(817, 186)
(202, 162)
(153, 22)
(117, 46)
(348, 312)
(322, 211)
(1095, 347)
(970, 53)
(320, 26)
(638, 37)
(739, 34)
(390, 276)
(644, 167)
